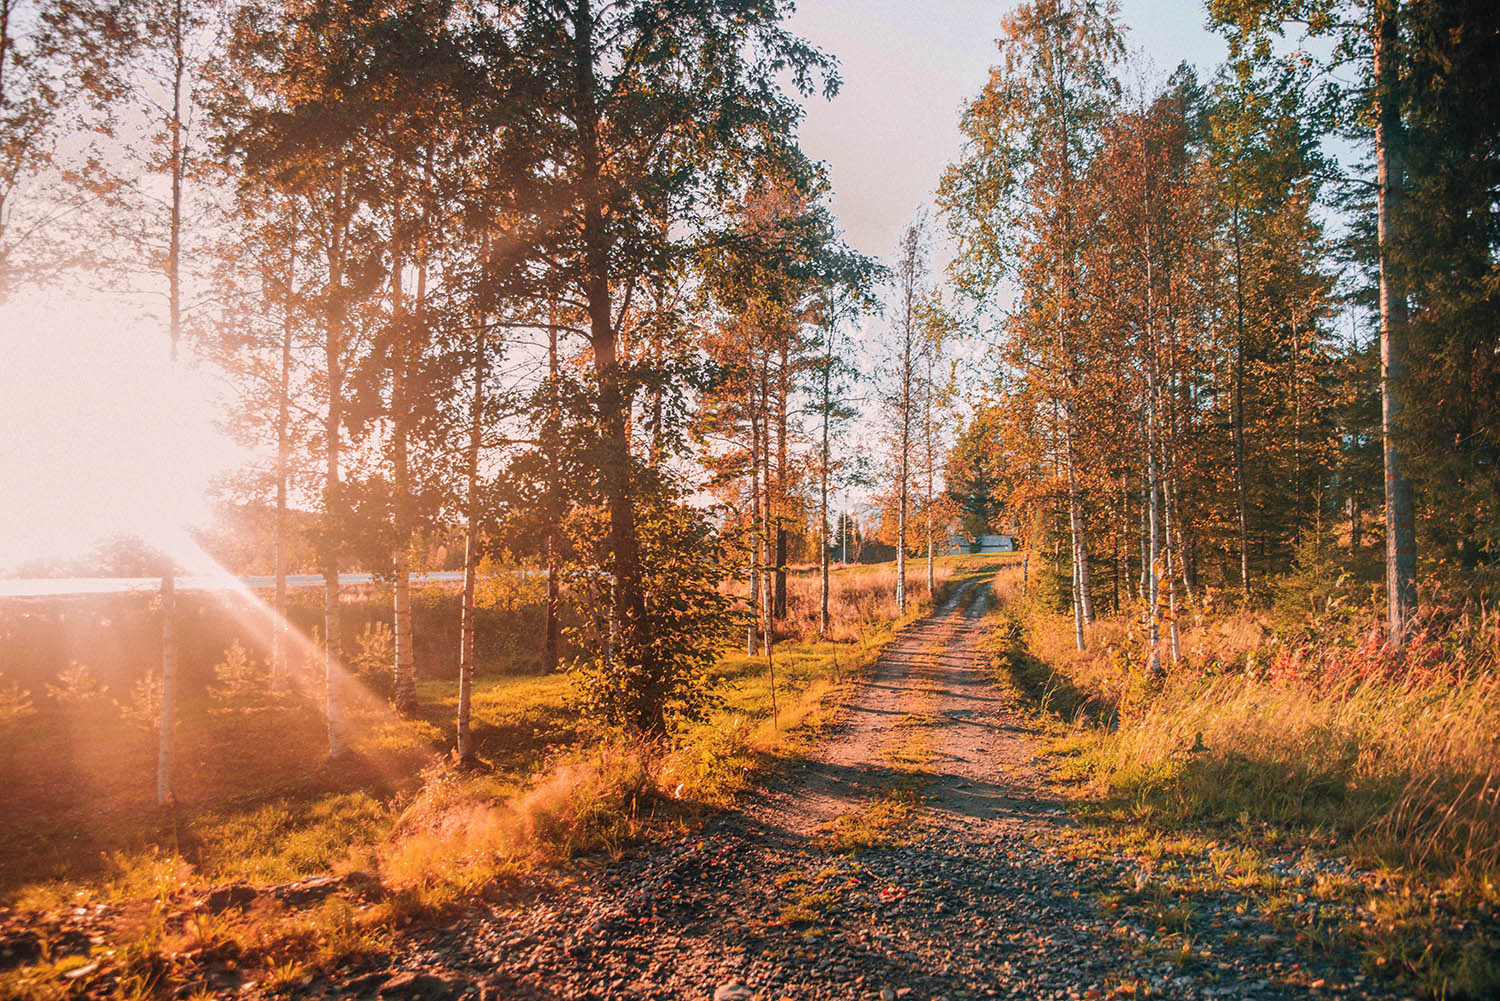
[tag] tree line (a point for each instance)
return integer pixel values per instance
(553, 275)
(556, 276)
(1171, 270)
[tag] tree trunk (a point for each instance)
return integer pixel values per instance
(1144, 583)
(1239, 407)
(1171, 562)
(1155, 447)
(1153, 603)
(901, 540)
(1067, 306)
(767, 578)
(1076, 590)
(778, 604)
(283, 461)
(827, 408)
(1356, 520)
(552, 643)
(465, 743)
(756, 540)
(1296, 388)
(1173, 486)
(628, 599)
(165, 757)
(1400, 529)
(1114, 560)
(333, 488)
(1179, 537)
(465, 749)
(931, 461)
(404, 681)
(782, 380)
(902, 498)
(1081, 605)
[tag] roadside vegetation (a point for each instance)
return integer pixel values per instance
(1348, 792)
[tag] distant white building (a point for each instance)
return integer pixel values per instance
(959, 545)
(955, 545)
(995, 544)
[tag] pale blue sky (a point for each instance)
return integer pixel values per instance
(907, 66)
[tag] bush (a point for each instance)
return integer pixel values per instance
(143, 708)
(1312, 584)
(239, 676)
(15, 703)
(375, 659)
(659, 673)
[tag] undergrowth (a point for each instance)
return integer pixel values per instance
(1283, 734)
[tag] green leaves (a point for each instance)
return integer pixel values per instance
(663, 677)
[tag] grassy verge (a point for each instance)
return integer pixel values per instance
(126, 900)
(1354, 805)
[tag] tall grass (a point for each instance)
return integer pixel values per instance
(1313, 726)
(1400, 751)
(860, 598)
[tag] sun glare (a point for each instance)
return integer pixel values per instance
(102, 436)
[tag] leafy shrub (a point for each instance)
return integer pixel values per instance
(1312, 584)
(15, 703)
(143, 708)
(375, 658)
(659, 673)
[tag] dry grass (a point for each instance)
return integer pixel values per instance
(859, 598)
(464, 834)
(1318, 733)
(1411, 772)
(1410, 761)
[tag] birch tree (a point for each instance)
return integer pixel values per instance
(63, 73)
(904, 392)
(1013, 196)
(832, 374)
(171, 50)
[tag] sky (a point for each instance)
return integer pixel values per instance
(100, 436)
(907, 68)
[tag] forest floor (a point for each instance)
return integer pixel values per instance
(925, 849)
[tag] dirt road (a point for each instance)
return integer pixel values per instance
(914, 857)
